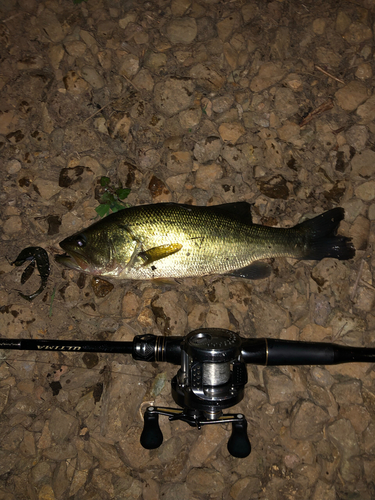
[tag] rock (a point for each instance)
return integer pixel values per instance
(206, 77)
(357, 33)
(12, 225)
(366, 191)
(130, 305)
(75, 48)
(50, 26)
(359, 232)
(319, 26)
(130, 17)
(74, 83)
(289, 132)
(155, 62)
(342, 22)
(190, 119)
(179, 162)
(364, 71)
(363, 164)
(208, 149)
(364, 299)
(307, 420)
(92, 77)
(129, 66)
(245, 488)
(231, 132)
(343, 436)
(206, 175)
(347, 393)
(182, 30)
(328, 57)
(324, 491)
(119, 125)
(351, 96)
(322, 377)
(357, 136)
(366, 110)
(210, 439)
(62, 425)
(274, 187)
(169, 314)
(159, 191)
(269, 74)
(280, 388)
(285, 102)
(173, 96)
(143, 80)
(358, 416)
(205, 481)
(226, 27)
(222, 103)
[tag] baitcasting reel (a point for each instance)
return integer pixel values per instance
(212, 373)
(212, 378)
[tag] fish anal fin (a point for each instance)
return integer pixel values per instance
(161, 252)
(255, 271)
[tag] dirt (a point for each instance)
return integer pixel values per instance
(198, 102)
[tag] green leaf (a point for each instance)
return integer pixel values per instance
(117, 205)
(106, 198)
(122, 193)
(102, 210)
(104, 181)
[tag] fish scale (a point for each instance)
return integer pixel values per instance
(169, 240)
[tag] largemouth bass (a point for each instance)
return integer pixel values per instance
(169, 240)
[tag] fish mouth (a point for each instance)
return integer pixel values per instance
(72, 260)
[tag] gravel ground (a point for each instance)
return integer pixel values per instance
(199, 102)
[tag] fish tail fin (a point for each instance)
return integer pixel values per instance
(321, 240)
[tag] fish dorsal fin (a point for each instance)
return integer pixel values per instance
(239, 210)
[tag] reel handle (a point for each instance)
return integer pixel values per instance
(239, 445)
(151, 436)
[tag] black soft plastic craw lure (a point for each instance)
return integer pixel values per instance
(36, 255)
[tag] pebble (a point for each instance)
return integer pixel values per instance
(173, 96)
(182, 30)
(204, 481)
(231, 132)
(181, 102)
(269, 74)
(351, 96)
(365, 191)
(308, 420)
(357, 136)
(366, 111)
(206, 175)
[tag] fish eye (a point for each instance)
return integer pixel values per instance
(81, 240)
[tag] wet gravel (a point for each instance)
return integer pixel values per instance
(199, 102)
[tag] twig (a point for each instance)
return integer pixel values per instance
(354, 291)
(11, 17)
(328, 74)
(326, 106)
(363, 282)
(110, 102)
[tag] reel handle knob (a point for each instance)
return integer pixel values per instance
(151, 436)
(239, 445)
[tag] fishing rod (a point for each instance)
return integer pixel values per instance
(212, 374)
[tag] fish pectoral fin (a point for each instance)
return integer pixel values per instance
(156, 253)
(255, 271)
